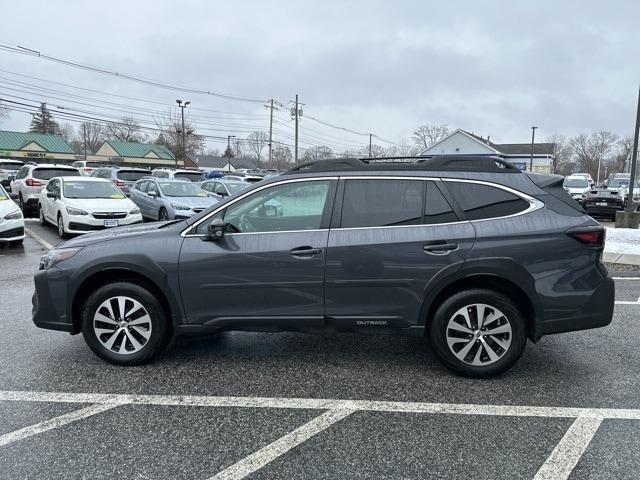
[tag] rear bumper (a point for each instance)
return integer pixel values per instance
(597, 312)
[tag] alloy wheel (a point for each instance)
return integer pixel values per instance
(122, 325)
(479, 334)
(60, 227)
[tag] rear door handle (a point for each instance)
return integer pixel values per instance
(305, 251)
(440, 248)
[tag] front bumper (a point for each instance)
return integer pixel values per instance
(597, 312)
(11, 230)
(79, 224)
(50, 301)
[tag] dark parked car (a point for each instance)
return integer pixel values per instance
(122, 177)
(469, 252)
(603, 201)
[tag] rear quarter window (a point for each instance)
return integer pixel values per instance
(483, 201)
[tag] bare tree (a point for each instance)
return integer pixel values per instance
(94, 134)
(214, 152)
(590, 151)
(256, 142)
(171, 135)
(623, 154)
(4, 111)
(426, 135)
(281, 157)
(317, 153)
(126, 130)
(402, 149)
(239, 148)
(563, 163)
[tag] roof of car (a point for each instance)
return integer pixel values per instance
(53, 165)
(454, 163)
(83, 179)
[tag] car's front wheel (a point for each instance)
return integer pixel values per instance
(163, 215)
(62, 233)
(124, 323)
(43, 221)
(478, 333)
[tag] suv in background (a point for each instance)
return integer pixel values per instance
(183, 174)
(577, 186)
(468, 251)
(32, 177)
(122, 177)
(8, 170)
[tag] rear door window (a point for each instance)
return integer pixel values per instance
(382, 203)
(483, 201)
(437, 209)
(47, 173)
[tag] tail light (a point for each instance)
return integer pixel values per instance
(119, 183)
(87, 169)
(593, 237)
(30, 182)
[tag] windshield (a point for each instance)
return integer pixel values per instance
(578, 182)
(49, 173)
(621, 182)
(131, 175)
(181, 189)
(73, 189)
(193, 176)
(3, 194)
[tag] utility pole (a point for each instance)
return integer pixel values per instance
(229, 137)
(533, 138)
(271, 108)
(634, 160)
(295, 155)
(84, 139)
(370, 137)
(183, 150)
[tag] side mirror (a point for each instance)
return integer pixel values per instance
(152, 193)
(216, 229)
(52, 195)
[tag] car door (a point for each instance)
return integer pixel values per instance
(267, 271)
(387, 245)
(46, 203)
(138, 195)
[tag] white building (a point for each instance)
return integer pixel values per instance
(462, 142)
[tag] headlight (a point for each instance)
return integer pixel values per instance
(13, 215)
(76, 211)
(56, 256)
(180, 207)
(135, 211)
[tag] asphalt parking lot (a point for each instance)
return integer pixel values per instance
(284, 406)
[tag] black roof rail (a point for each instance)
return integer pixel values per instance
(457, 163)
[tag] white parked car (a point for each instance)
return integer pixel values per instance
(181, 174)
(577, 186)
(11, 220)
(85, 204)
(8, 171)
(30, 179)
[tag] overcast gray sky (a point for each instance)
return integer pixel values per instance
(494, 68)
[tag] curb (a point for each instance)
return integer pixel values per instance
(621, 258)
(38, 239)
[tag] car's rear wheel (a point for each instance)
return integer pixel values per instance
(124, 323)
(478, 333)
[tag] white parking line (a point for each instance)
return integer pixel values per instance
(322, 404)
(38, 239)
(267, 454)
(567, 453)
(622, 302)
(53, 423)
(626, 278)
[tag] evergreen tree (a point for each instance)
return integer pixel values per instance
(43, 122)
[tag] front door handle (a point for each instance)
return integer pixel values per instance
(440, 248)
(305, 251)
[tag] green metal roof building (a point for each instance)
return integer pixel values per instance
(28, 146)
(131, 153)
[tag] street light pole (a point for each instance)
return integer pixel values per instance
(183, 149)
(634, 160)
(533, 138)
(370, 137)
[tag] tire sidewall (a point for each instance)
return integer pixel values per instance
(437, 332)
(159, 330)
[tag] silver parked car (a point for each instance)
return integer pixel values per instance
(169, 199)
(221, 188)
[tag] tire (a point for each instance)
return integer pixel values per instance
(153, 324)
(493, 359)
(43, 221)
(22, 205)
(163, 215)
(60, 224)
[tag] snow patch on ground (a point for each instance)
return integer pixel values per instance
(622, 240)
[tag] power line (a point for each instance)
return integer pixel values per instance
(34, 53)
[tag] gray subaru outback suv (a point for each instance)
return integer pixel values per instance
(467, 251)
